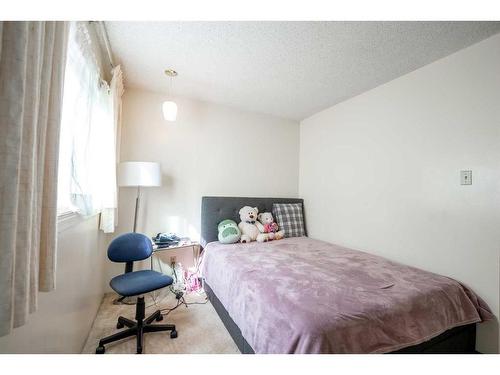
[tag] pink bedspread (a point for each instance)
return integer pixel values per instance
(300, 295)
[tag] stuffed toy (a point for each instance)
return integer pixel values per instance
(228, 231)
(269, 226)
(248, 225)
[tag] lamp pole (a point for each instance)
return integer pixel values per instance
(137, 199)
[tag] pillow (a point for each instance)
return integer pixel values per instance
(289, 218)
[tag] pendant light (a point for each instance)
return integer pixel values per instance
(169, 107)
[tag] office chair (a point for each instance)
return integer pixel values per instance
(128, 248)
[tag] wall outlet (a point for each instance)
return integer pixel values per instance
(173, 260)
(466, 177)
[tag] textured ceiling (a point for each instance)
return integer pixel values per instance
(287, 69)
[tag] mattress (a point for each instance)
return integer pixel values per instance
(300, 295)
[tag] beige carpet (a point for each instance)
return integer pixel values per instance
(199, 328)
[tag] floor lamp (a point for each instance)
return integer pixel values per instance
(137, 174)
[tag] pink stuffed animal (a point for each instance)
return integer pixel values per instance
(270, 228)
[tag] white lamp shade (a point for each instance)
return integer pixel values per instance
(169, 110)
(139, 173)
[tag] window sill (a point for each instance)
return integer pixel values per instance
(69, 219)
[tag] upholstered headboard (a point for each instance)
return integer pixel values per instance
(216, 209)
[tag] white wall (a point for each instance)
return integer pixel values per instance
(210, 150)
(380, 172)
(64, 317)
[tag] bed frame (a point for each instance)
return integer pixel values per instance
(458, 340)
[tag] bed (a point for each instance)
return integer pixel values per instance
(300, 295)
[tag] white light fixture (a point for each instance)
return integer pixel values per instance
(169, 110)
(169, 107)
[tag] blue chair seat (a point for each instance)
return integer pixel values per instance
(139, 282)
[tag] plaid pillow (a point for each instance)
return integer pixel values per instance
(289, 218)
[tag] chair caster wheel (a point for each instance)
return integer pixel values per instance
(119, 325)
(100, 350)
(159, 318)
(173, 334)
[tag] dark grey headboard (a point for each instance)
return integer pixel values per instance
(216, 209)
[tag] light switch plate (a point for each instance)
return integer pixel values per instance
(466, 177)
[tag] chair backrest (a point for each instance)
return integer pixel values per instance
(130, 247)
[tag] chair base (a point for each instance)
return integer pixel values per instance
(138, 327)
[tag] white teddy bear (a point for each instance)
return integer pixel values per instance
(249, 225)
(269, 226)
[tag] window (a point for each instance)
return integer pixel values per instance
(73, 91)
(87, 160)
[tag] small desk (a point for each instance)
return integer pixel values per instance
(186, 252)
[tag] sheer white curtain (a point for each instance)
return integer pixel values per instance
(32, 61)
(110, 203)
(89, 131)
